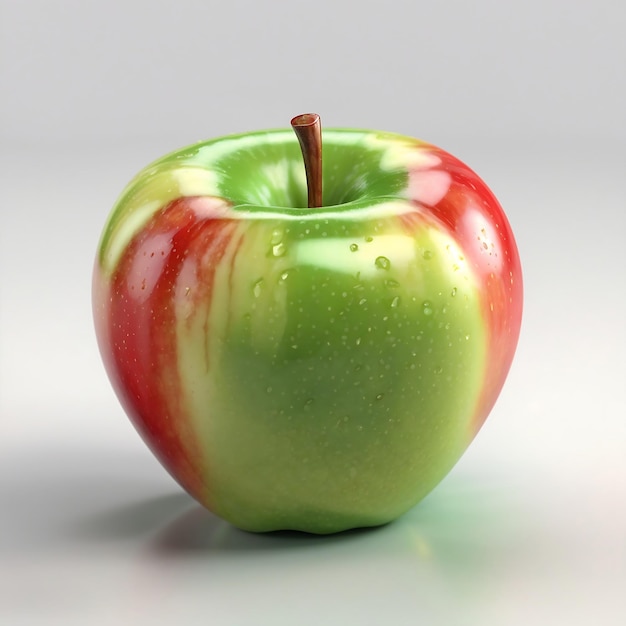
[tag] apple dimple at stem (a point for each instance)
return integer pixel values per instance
(308, 129)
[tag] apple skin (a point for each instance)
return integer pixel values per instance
(308, 369)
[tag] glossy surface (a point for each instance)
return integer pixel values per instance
(312, 369)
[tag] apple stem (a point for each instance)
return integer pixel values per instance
(308, 129)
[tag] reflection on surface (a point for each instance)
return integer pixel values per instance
(133, 520)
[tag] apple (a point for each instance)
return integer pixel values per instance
(294, 366)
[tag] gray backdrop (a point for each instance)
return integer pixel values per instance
(529, 526)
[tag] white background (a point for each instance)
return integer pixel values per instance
(530, 526)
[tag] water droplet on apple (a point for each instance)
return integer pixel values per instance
(369, 239)
(307, 404)
(362, 301)
(390, 283)
(354, 247)
(285, 275)
(279, 249)
(427, 254)
(258, 288)
(428, 310)
(453, 292)
(269, 390)
(382, 263)
(438, 370)
(395, 302)
(380, 396)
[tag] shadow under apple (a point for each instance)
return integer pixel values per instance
(134, 520)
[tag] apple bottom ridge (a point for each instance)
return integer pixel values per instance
(312, 522)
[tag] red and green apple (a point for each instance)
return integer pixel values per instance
(305, 367)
